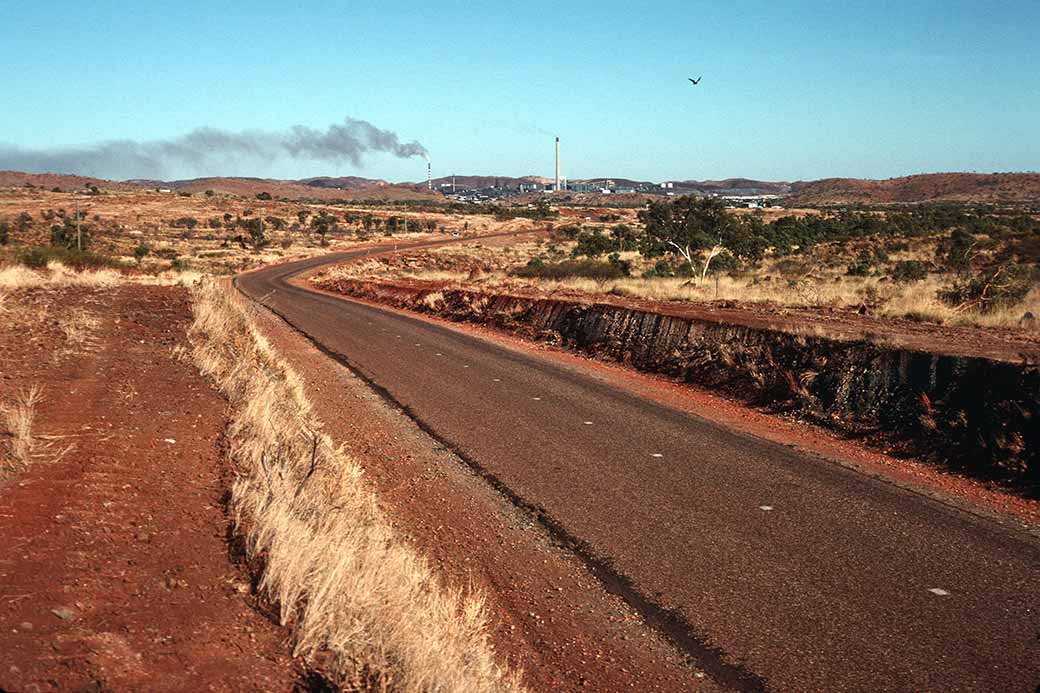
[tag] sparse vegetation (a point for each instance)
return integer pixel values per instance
(348, 586)
(841, 261)
(17, 444)
(39, 257)
(141, 252)
(587, 269)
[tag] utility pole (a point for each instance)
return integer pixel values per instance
(79, 233)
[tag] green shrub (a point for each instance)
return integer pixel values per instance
(996, 287)
(141, 251)
(71, 234)
(588, 269)
(909, 271)
(662, 269)
(37, 257)
(866, 261)
(23, 222)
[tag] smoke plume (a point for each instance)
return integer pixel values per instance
(207, 151)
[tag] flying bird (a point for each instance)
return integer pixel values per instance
(695, 81)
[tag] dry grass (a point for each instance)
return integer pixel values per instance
(78, 328)
(821, 282)
(17, 445)
(347, 584)
(57, 275)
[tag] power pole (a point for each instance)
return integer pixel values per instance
(79, 233)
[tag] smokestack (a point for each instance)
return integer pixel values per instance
(557, 164)
(429, 176)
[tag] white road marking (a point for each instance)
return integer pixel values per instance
(587, 423)
(939, 591)
(656, 454)
(765, 507)
(537, 399)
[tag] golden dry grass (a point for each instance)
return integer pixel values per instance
(821, 282)
(78, 328)
(57, 275)
(121, 220)
(341, 577)
(17, 444)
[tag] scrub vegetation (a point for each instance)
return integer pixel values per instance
(941, 264)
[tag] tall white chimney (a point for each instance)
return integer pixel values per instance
(429, 176)
(557, 188)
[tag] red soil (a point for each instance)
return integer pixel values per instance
(116, 572)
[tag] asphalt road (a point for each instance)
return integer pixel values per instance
(772, 568)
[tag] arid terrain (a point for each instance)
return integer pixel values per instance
(295, 442)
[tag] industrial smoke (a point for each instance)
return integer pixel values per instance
(205, 151)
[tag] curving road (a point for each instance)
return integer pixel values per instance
(773, 569)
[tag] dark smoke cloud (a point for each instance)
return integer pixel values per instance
(207, 151)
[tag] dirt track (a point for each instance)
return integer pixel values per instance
(115, 571)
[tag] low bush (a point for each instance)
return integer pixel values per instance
(38, 257)
(1000, 286)
(661, 270)
(588, 269)
(909, 271)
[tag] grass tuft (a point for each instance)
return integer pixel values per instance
(356, 596)
(17, 444)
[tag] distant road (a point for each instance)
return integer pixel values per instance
(772, 568)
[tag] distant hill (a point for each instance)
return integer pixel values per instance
(928, 187)
(343, 182)
(298, 190)
(480, 182)
(66, 183)
(738, 186)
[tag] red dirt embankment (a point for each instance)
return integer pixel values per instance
(975, 413)
(115, 572)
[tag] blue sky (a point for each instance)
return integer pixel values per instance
(790, 91)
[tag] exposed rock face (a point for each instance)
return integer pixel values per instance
(979, 414)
